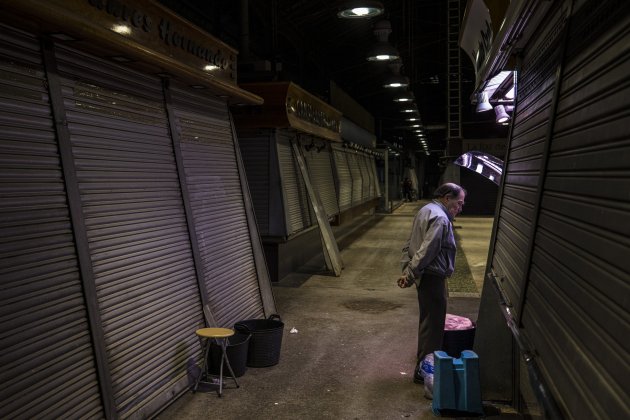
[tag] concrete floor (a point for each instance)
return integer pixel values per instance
(353, 354)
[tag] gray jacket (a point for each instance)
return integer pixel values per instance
(431, 246)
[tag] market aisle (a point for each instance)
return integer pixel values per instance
(354, 351)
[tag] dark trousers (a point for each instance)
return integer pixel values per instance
(432, 298)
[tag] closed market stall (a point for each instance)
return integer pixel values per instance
(125, 207)
(291, 121)
(558, 252)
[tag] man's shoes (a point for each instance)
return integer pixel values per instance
(417, 375)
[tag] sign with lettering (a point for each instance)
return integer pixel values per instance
(155, 26)
(305, 109)
(288, 105)
(141, 30)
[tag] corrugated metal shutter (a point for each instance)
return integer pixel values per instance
(355, 171)
(522, 168)
(344, 178)
(297, 211)
(374, 174)
(366, 181)
(318, 161)
(562, 239)
(216, 198)
(139, 243)
(579, 283)
(48, 368)
(256, 158)
(369, 164)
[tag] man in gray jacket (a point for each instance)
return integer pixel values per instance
(428, 259)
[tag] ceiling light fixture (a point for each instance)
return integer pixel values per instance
(383, 50)
(483, 104)
(122, 29)
(404, 97)
(409, 108)
(502, 116)
(360, 9)
(396, 80)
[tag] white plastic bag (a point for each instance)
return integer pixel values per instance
(426, 370)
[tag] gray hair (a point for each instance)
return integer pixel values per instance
(448, 189)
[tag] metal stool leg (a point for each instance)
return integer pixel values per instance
(221, 366)
(229, 365)
(225, 359)
(204, 364)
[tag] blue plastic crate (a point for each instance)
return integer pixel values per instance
(456, 384)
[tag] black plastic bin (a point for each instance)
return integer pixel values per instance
(236, 351)
(265, 342)
(456, 341)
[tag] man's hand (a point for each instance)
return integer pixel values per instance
(403, 282)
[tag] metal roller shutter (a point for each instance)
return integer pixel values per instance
(256, 158)
(366, 181)
(523, 164)
(579, 282)
(369, 165)
(344, 178)
(138, 238)
(48, 367)
(320, 170)
(357, 185)
(374, 174)
(218, 208)
(296, 202)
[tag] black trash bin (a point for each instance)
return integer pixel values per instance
(459, 335)
(236, 351)
(457, 341)
(265, 342)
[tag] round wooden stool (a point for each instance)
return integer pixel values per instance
(220, 335)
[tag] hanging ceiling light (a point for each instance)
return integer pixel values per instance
(409, 108)
(360, 9)
(383, 50)
(396, 80)
(483, 104)
(502, 116)
(404, 97)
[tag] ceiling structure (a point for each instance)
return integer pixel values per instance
(304, 41)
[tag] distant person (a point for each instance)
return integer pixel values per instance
(428, 258)
(407, 189)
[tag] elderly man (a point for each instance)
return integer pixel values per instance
(428, 259)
